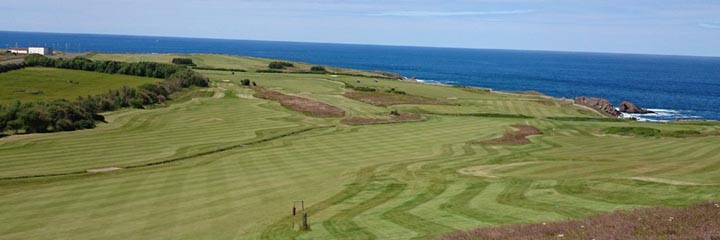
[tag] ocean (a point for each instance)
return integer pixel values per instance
(676, 87)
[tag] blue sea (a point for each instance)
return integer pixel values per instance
(676, 87)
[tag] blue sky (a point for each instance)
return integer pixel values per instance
(682, 27)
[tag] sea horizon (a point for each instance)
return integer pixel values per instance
(365, 44)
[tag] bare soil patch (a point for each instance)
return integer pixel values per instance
(300, 104)
(402, 117)
(387, 99)
(701, 221)
(517, 137)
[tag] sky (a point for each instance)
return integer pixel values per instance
(675, 27)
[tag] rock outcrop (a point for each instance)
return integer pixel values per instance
(599, 104)
(628, 107)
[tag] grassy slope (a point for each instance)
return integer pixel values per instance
(389, 181)
(54, 83)
(250, 64)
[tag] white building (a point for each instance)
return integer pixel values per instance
(18, 50)
(40, 50)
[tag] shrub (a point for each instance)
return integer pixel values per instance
(317, 69)
(183, 61)
(393, 90)
(136, 103)
(10, 67)
(279, 65)
(267, 71)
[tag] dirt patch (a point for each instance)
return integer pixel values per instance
(402, 117)
(387, 99)
(100, 170)
(300, 104)
(517, 137)
(701, 221)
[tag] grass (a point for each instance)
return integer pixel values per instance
(227, 166)
(220, 61)
(35, 83)
(650, 132)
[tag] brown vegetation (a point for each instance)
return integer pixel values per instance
(387, 99)
(304, 105)
(700, 221)
(402, 117)
(516, 137)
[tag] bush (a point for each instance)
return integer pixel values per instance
(183, 61)
(10, 67)
(317, 69)
(279, 65)
(267, 71)
(393, 90)
(136, 103)
(362, 88)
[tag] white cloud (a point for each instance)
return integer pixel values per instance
(714, 25)
(450, 14)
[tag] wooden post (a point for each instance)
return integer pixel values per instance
(303, 214)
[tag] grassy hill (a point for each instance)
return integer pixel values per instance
(227, 166)
(36, 83)
(250, 64)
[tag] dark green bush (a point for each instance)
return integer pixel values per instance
(279, 65)
(318, 69)
(183, 61)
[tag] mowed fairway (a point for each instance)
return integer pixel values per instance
(228, 166)
(36, 83)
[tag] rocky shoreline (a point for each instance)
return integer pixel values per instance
(605, 106)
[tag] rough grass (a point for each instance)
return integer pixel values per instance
(402, 117)
(244, 159)
(701, 221)
(304, 105)
(35, 83)
(387, 99)
(650, 132)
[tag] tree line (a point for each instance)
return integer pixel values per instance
(142, 69)
(83, 112)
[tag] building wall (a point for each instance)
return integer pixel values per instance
(40, 50)
(18, 51)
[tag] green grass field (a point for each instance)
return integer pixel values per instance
(250, 64)
(35, 83)
(228, 166)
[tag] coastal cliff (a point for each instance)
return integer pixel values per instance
(599, 104)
